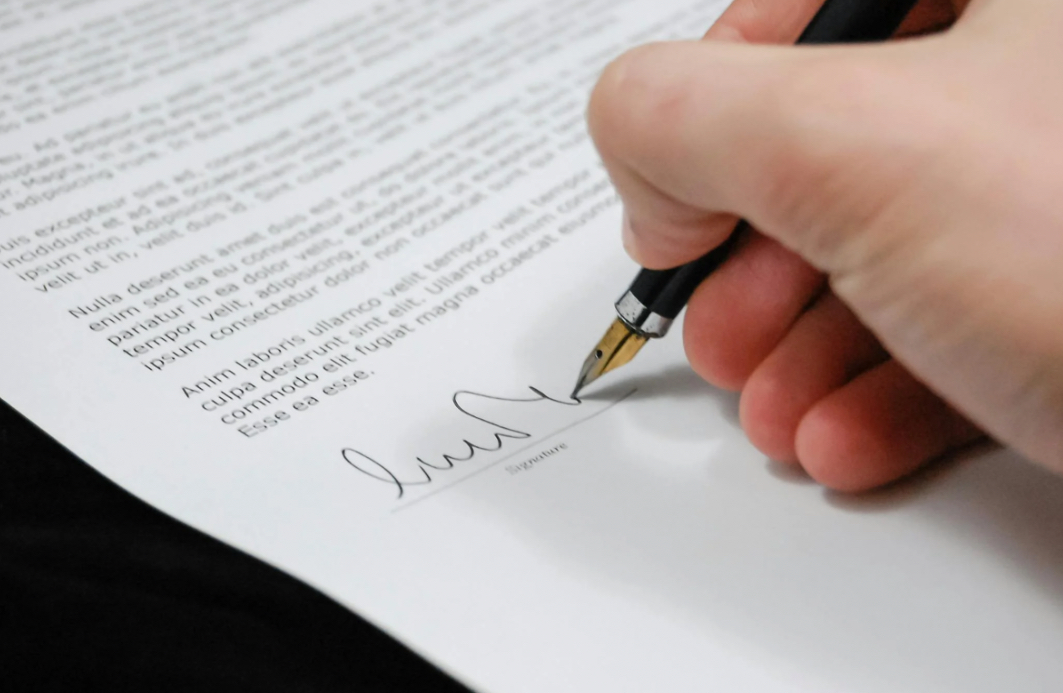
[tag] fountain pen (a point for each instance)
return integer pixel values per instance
(653, 301)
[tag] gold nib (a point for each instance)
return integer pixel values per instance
(618, 346)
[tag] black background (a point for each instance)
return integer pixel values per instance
(98, 591)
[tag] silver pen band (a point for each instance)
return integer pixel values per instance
(640, 318)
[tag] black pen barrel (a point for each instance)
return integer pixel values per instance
(666, 292)
(856, 21)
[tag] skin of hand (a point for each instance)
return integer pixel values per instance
(903, 296)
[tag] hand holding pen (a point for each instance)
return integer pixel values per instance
(904, 281)
(656, 297)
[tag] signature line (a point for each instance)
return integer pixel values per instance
(515, 453)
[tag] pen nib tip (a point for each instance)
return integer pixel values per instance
(580, 384)
(617, 347)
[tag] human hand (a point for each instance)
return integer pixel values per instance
(905, 292)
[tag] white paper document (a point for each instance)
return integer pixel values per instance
(317, 278)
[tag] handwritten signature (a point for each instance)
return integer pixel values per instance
(497, 438)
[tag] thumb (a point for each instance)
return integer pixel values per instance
(811, 145)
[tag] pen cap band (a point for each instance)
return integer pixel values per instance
(643, 321)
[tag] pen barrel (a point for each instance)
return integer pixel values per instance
(665, 292)
(856, 21)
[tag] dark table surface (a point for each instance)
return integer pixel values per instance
(99, 591)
